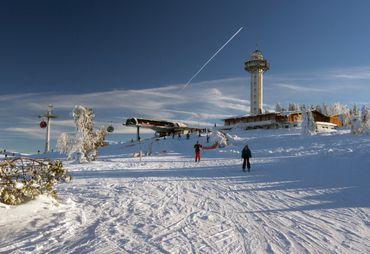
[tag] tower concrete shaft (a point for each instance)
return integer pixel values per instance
(256, 66)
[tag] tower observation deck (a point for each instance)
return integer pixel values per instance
(256, 66)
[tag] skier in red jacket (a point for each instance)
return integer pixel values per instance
(197, 148)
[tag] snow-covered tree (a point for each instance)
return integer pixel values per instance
(365, 114)
(308, 124)
(278, 108)
(303, 107)
(64, 143)
(360, 121)
(337, 109)
(345, 118)
(293, 106)
(325, 109)
(84, 146)
(356, 125)
(355, 111)
(356, 122)
(365, 119)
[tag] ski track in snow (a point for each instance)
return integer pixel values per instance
(299, 198)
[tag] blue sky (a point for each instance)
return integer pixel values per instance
(131, 58)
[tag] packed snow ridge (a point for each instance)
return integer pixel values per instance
(304, 194)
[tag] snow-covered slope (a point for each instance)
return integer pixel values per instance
(305, 194)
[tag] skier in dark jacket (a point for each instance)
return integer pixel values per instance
(246, 154)
(197, 148)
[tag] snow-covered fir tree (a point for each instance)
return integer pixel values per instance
(84, 147)
(308, 124)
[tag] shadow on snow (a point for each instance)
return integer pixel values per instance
(332, 181)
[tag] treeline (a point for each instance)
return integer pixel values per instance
(326, 109)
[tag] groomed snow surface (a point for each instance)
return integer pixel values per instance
(305, 194)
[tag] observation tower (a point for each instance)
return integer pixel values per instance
(256, 66)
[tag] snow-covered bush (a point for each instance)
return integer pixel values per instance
(23, 179)
(308, 124)
(84, 147)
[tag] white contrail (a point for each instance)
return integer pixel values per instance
(209, 60)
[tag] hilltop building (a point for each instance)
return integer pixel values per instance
(256, 66)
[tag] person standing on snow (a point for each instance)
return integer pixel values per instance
(197, 148)
(246, 154)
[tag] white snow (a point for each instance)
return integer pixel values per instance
(305, 194)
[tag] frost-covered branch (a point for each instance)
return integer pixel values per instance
(23, 179)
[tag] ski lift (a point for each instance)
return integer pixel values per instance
(110, 129)
(43, 124)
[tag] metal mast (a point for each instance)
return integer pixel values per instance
(48, 116)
